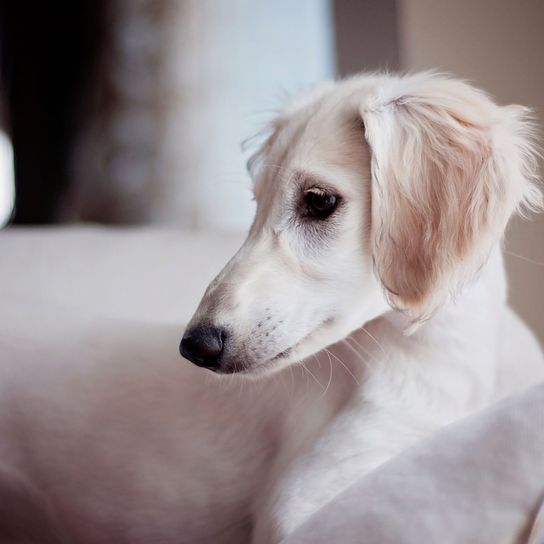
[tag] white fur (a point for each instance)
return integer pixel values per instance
(132, 443)
(425, 200)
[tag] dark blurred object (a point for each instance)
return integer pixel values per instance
(367, 35)
(115, 155)
(48, 53)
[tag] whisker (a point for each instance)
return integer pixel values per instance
(344, 365)
(330, 375)
(377, 343)
(366, 351)
(330, 378)
(523, 258)
(355, 352)
(329, 356)
(312, 375)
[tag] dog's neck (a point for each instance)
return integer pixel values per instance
(450, 357)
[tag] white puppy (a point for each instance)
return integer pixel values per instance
(372, 276)
(380, 204)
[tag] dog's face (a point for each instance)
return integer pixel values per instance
(303, 279)
(370, 192)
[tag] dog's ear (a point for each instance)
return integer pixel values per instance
(448, 168)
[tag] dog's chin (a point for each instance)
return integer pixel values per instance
(261, 369)
(252, 369)
(310, 345)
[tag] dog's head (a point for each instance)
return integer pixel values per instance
(374, 193)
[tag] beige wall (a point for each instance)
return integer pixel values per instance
(499, 45)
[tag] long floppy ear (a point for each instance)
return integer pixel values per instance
(449, 167)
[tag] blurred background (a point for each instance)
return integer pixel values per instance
(133, 111)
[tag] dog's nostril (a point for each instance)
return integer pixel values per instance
(203, 346)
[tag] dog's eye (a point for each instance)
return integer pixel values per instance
(318, 203)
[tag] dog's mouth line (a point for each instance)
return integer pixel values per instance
(286, 352)
(247, 370)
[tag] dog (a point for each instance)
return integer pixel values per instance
(366, 309)
(381, 201)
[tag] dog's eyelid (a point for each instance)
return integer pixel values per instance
(322, 190)
(316, 190)
(310, 183)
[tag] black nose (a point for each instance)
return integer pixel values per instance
(203, 346)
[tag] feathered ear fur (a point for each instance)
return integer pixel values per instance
(449, 167)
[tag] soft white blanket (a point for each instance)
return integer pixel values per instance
(478, 481)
